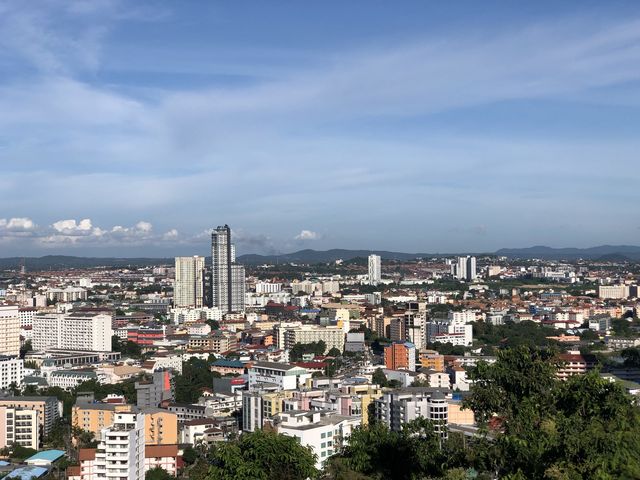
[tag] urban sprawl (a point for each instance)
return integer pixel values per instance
(116, 373)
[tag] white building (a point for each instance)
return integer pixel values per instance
(465, 316)
(281, 376)
(324, 432)
(68, 294)
(9, 330)
(19, 426)
(120, 454)
(614, 292)
(69, 379)
(180, 315)
(414, 329)
(465, 268)
(268, 287)
(26, 316)
(450, 331)
(333, 337)
(188, 290)
(375, 269)
(11, 371)
(398, 407)
(73, 331)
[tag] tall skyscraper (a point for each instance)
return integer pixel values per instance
(188, 290)
(375, 269)
(227, 277)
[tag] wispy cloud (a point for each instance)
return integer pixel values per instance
(303, 143)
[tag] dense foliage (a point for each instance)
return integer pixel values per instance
(262, 455)
(533, 426)
(300, 349)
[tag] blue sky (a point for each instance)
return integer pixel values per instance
(132, 128)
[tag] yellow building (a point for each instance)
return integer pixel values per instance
(432, 359)
(459, 416)
(93, 417)
(160, 427)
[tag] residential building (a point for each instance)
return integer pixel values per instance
(120, 453)
(333, 337)
(574, 363)
(400, 356)
(280, 376)
(324, 432)
(398, 407)
(19, 426)
(151, 393)
(9, 330)
(188, 290)
(227, 277)
(613, 292)
(49, 409)
(70, 379)
(375, 269)
(450, 331)
(73, 331)
(258, 407)
(161, 456)
(11, 371)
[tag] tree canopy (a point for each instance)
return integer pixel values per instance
(262, 455)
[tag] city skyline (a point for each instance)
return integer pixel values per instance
(481, 127)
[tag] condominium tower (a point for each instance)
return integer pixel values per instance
(188, 290)
(375, 270)
(9, 330)
(227, 277)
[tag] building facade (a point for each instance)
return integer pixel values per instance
(227, 277)
(188, 290)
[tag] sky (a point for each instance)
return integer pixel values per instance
(133, 128)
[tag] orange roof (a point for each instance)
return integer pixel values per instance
(87, 454)
(151, 451)
(73, 471)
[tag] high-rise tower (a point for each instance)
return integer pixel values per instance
(227, 278)
(188, 290)
(375, 269)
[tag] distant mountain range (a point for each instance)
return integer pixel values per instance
(53, 262)
(603, 252)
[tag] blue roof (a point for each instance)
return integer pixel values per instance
(223, 362)
(27, 473)
(47, 455)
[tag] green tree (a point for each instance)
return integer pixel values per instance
(262, 455)
(379, 378)
(158, 473)
(334, 352)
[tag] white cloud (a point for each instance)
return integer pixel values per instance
(70, 227)
(21, 223)
(307, 235)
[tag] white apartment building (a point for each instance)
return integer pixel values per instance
(69, 379)
(120, 454)
(398, 407)
(465, 316)
(9, 330)
(11, 371)
(19, 426)
(613, 292)
(333, 337)
(268, 287)
(73, 331)
(450, 331)
(280, 376)
(375, 269)
(26, 316)
(181, 315)
(68, 294)
(324, 432)
(188, 290)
